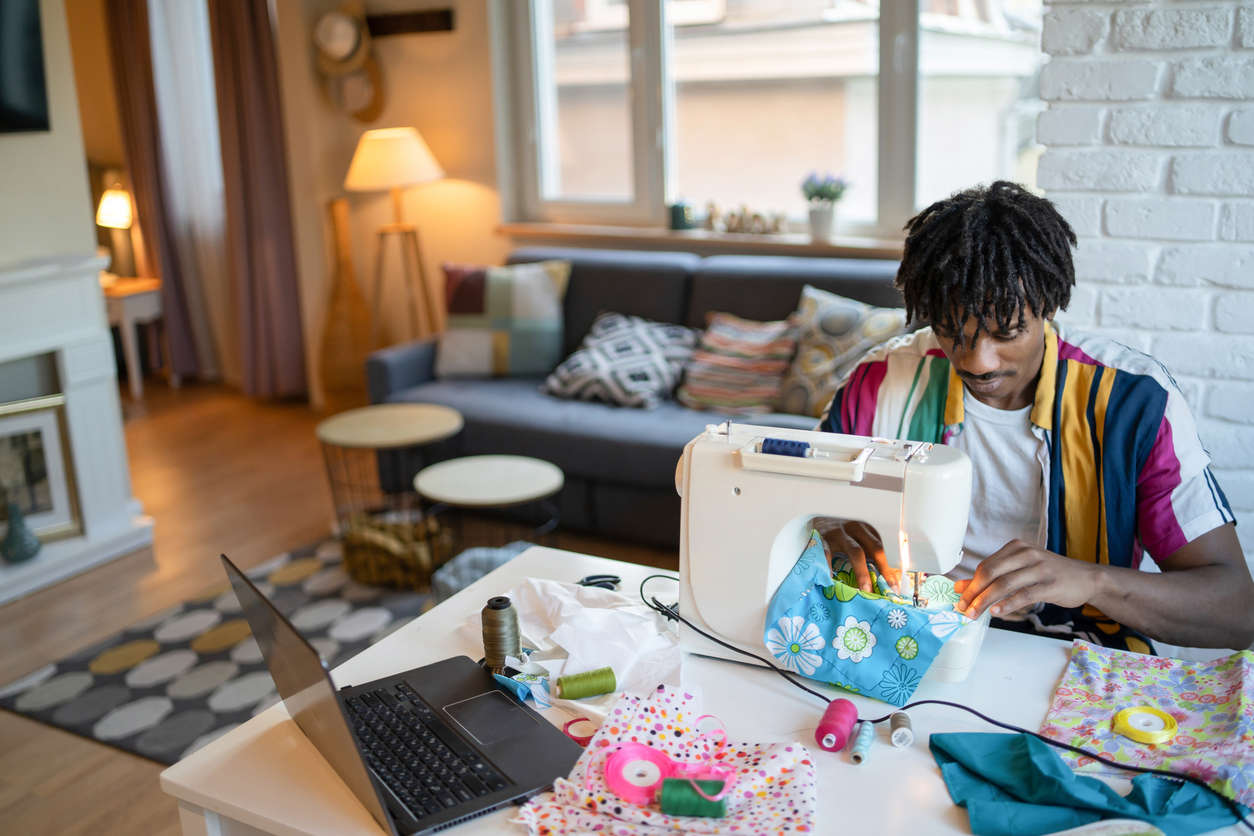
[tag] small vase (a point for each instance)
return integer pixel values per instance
(821, 217)
(20, 543)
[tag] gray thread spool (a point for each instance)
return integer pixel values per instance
(901, 733)
(500, 633)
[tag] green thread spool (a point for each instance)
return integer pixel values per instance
(500, 633)
(587, 684)
(680, 799)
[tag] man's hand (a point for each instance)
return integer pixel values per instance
(856, 541)
(1017, 576)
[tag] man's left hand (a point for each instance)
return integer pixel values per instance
(1018, 575)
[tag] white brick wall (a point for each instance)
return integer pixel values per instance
(1149, 133)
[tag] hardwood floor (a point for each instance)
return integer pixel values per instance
(218, 473)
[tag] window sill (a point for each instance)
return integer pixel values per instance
(703, 241)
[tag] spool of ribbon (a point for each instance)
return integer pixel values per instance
(581, 739)
(1145, 724)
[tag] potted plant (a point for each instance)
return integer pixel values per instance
(822, 192)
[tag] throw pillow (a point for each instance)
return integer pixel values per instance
(502, 320)
(835, 333)
(624, 360)
(738, 366)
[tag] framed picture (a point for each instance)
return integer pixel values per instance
(35, 468)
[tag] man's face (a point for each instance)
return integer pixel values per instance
(998, 368)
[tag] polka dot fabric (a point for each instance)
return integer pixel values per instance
(774, 790)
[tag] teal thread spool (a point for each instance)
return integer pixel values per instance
(587, 684)
(862, 744)
(680, 799)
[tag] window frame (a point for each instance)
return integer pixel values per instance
(518, 68)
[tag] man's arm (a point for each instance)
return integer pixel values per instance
(1203, 598)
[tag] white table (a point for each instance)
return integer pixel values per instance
(129, 303)
(489, 481)
(266, 777)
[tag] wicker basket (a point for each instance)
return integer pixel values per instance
(397, 548)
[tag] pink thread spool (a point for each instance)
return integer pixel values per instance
(836, 725)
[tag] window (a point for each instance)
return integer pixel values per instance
(621, 106)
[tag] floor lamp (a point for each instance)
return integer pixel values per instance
(393, 159)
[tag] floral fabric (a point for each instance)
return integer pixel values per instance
(774, 790)
(1212, 703)
(823, 627)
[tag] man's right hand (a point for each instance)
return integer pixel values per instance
(857, 541)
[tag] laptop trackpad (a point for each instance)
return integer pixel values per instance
(490, 717)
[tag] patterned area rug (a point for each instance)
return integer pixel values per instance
(168, 685)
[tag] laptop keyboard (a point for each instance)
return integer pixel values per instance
(416, 754)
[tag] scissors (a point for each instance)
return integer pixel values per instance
(601, 581)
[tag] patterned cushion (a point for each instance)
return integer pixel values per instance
(739, 365)
(502, 320)
(625, 360)
(835, 332)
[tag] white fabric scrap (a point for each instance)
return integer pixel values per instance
(575, 629)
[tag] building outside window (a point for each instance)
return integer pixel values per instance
(625, 105)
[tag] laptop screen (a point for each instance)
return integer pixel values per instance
(307, 691)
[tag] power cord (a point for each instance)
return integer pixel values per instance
(672, 612)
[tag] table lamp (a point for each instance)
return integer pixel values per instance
(116, 213)
(392, 159)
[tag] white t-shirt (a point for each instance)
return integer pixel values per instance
(1006, 481)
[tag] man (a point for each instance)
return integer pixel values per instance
(1084, 453)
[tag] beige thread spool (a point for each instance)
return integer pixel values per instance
(500, 633)
(901, 734)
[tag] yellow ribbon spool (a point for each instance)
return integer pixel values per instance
(1145, 724)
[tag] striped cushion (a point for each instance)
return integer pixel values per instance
(739, 365)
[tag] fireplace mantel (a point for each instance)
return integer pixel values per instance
(54, 306)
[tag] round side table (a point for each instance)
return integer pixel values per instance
(387, 538)
(390, 425)
(495, 483)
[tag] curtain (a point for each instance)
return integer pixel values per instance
(183, 78)
(137, 106)
(261, 249)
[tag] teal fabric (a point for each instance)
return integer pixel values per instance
(1016, 785)
(825, 628)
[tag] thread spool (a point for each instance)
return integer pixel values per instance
(587, 684)
(901, 734)
(836, 725)
(678, 798)
(500, 633)
(862, 744)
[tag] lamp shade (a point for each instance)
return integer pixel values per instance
(115, 209)
(389, 158)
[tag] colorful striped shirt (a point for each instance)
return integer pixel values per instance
(1125, 471)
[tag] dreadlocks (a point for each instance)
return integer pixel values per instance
(986, 253)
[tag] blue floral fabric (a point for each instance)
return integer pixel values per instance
(823, 627)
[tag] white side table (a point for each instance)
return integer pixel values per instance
(493, 482)
(130, 303)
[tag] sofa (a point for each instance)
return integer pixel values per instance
(619, 462)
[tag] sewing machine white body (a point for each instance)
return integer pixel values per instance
(746, 519)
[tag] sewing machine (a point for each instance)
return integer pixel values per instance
(750, 493)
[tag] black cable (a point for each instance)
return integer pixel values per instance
(673, 613)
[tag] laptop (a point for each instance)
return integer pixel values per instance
(423, 750)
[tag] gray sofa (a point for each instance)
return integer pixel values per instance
(619, 462)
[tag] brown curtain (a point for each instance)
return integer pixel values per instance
(259, 236)
(141, 140)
